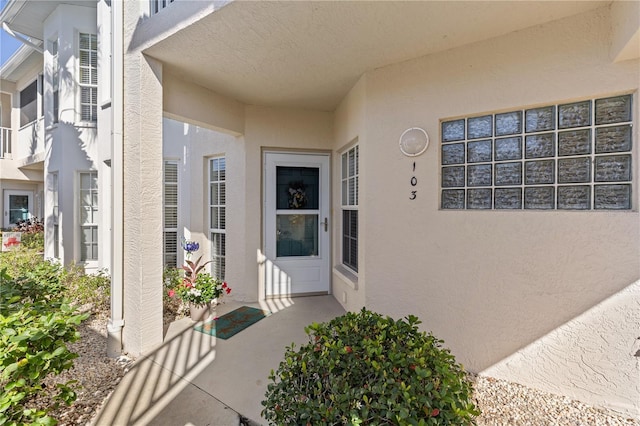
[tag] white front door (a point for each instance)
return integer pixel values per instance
(18, 205)
(296, 228)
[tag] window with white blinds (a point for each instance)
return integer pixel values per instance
(170, 204)
(55, 79)
(350, 172)
(88, 216)
(53, 189)
(217, 215)
(88, 54)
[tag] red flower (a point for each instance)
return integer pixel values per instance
(224, 285)
(348, 349)
(228, 290)
(171, 293)
(435, 412)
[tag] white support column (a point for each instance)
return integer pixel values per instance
(142, 195)
(116, 320)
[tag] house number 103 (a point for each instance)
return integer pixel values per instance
(414, 183)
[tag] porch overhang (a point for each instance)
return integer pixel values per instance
(309, 54)
(27, 17)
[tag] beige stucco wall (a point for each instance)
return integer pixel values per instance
(282, 129)
(496, 286)
(5, 101)
(492, 282)
(349, 129)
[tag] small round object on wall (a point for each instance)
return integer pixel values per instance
(414, 141)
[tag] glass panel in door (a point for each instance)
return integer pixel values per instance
(297, 214)
(18, 208)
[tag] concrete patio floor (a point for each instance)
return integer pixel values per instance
(197, 379)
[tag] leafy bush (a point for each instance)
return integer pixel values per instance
(36, 278)
(84, 288)
(36, 323)
(362, 368)
(30, 226)
(33, 241)
(172, 277)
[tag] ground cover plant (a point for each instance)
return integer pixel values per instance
(363, 368)
(38, 320)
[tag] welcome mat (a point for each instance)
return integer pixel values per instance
(233, 322)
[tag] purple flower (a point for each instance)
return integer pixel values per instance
(190, 246)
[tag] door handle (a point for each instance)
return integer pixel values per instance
(326, 224)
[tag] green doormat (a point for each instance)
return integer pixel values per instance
(233, 322)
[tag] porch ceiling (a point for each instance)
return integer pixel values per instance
(308, 54)
(27, 16)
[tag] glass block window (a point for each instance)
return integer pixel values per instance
(88, 216)
(170, 216)
(88, 80)
(349, 180)
(573, 156)
(217, 215)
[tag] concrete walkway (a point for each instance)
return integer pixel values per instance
(196, 379)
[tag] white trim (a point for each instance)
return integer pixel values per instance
(10, 192)
(166, 229)
(222, 228)
(293, 275)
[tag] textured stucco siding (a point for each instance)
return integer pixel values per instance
(601, 349)
(492, 282)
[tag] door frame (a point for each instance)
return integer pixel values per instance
(5, 205)
(324, 239)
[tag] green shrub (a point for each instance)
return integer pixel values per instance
(362, 368)
(36, 278)
(34, 240)
(85, 288)
(36, 323)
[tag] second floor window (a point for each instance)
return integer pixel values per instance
(55, 79)
(88, 57)
(29, 103)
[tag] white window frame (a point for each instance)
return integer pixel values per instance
(21, 106)
(170, 232)
(55, 80)
(217, 202)
(82, 226)
(54, 188)
(349, 194)
(88, 90)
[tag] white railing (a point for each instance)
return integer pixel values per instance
(5, 142)
(158, 5)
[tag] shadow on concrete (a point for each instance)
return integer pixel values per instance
(158, 388)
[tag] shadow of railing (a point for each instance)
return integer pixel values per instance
(158, 377)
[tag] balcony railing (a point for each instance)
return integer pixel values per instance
(158, 5)
(5, 142)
